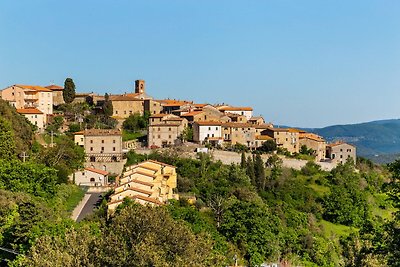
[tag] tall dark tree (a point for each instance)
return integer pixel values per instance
(69, 91)
(107, 106)
(243, 160)
(250, 170)
(259, 172)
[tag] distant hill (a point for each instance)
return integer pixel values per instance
(377, 140)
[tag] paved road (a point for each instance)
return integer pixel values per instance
(89, 206)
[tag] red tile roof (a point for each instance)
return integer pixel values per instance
(54, 87)
(97, 171)
(33, 87)
(29, 111)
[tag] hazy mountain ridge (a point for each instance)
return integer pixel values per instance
(373, 139)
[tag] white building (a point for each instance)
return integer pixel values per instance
(207, 132)
(35, 116)
(91, 177)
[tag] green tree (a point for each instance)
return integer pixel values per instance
(134, 123)
(7, 144)
(268, 146)
(107, 106)
(243, 160)
(69, 91)
(250, 170)
(187, 134)
(259, 172)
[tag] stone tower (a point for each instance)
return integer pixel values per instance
(139, 87)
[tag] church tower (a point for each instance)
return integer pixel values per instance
(139, 87)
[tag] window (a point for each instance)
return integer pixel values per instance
(159, 136)
(92, 159)
(341, 150)
(91, 179)
(102, 148)
(205, 117)
(341, 156)
(91, 149)
(113, 148)
(152, 119)
(113, 141)
(159, 129)
(35, 116)
(91, 141)
(209, 128)
(116, 112)
(169, 129)
(212, 135)
(130, 111)
(102, 141)
(83, 173)
(169, 136)
(125, 112)
(216, 128)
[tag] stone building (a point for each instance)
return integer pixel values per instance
(285, 138)
(101, 145)
(314, 142)
(239, 133)
(340, 152)
(165, 130)
(57, 92)
(246, 111)
(148, 183)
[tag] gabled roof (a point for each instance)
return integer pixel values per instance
(29, 111)
(338, 144)
(193, 113)
(263, 137)
(33, 87)
(97, 171)
(54, 87)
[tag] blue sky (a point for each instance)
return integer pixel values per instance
(301, 63)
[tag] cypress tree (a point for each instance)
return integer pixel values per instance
(250, 170)
(107, 106)
(243, 161)
(69, 91)
(259, 172)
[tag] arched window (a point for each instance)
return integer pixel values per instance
(92, 179)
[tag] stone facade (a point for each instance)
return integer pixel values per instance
(165, 130)
(100, 145)
(340, 152)
(314, 142)
(57, 92)
(285, 138)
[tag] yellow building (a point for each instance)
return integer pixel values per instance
(285, 138)
(148, 183)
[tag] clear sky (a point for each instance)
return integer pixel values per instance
(301, 63)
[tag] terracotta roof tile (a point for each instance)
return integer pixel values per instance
(97, 171)
(33, 87)
(29, 111)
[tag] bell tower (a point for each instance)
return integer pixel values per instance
(139, 87)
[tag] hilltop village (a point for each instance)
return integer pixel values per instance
(168, 123)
